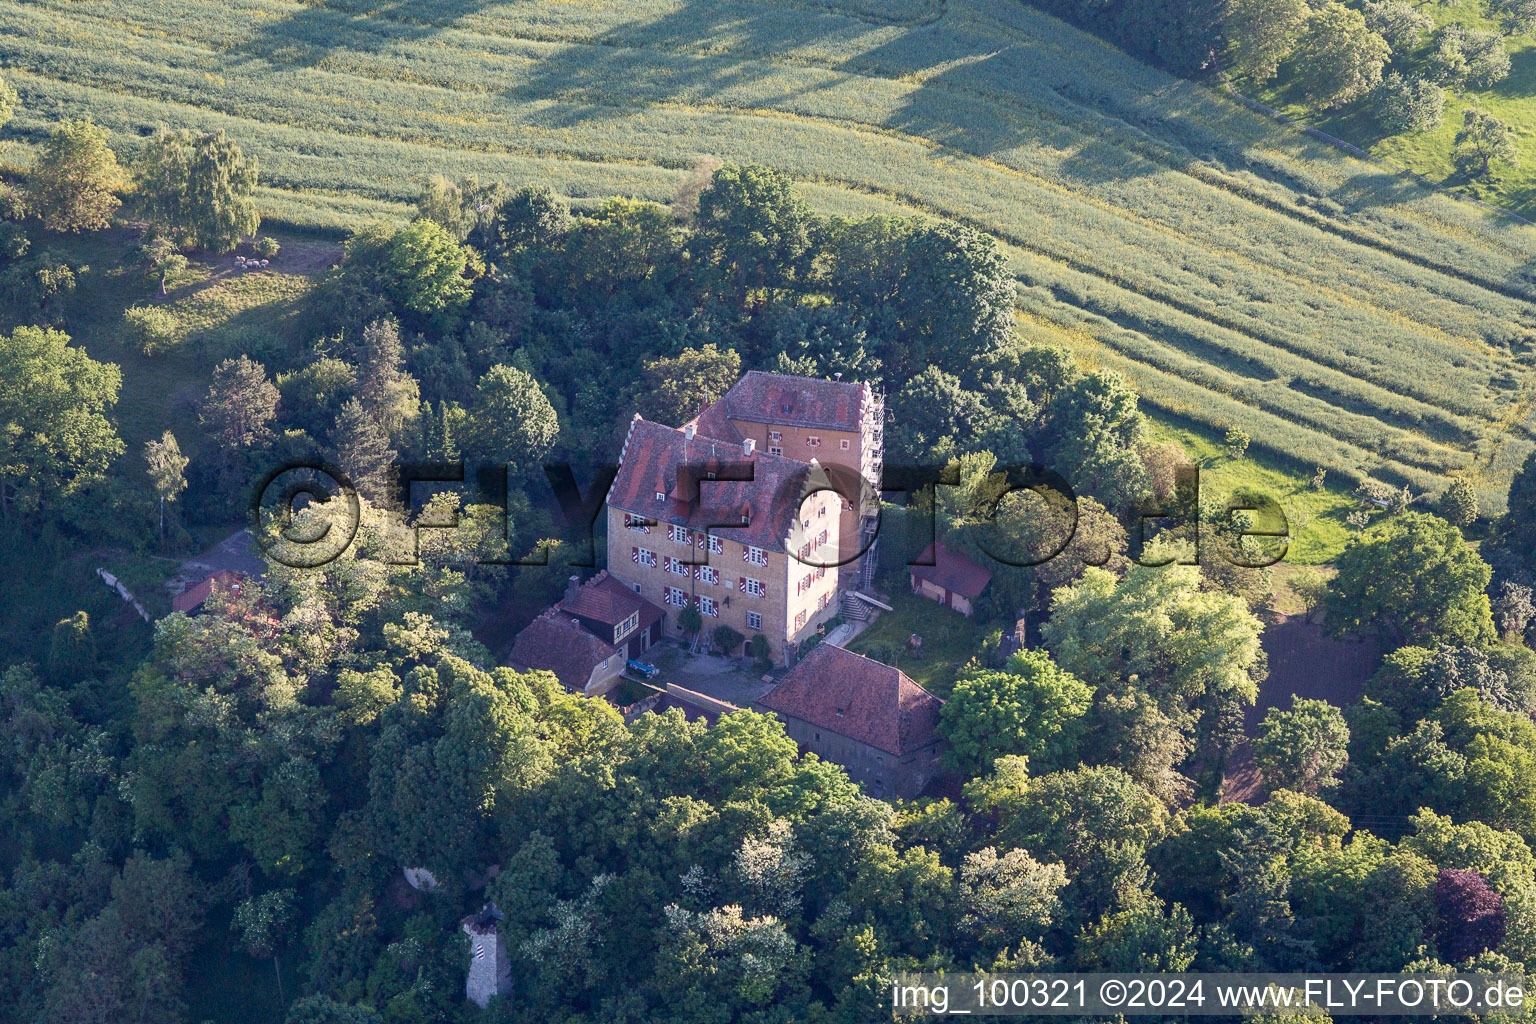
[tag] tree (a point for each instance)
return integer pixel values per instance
(1310, 585)
(1237, 441)
(1471, 914)
(198, 188)
(1339, 58)
(55, 427)
(511, 420)
(625, 245)
(1008, 898)
(1459, 503)
(690, 621)
(1398, 23)
(532, 219)
(1031, 708)
(1260, 34)
(150, 329)
(428, 273)
(164, 264)
(363, 451)
(72, 650)
(241, 401)
(1514, 15)
(71, 186)
(725, 638)
(1513, 610)
(674, 390)
(261, 923)
(1094, 429)
(1144, 937)
(1483, 139)
(1302, 749)
(167, 471)
(1156, 631)
(391, 396)
(1413, 578)
(8, 99)
(1408, 104)
(754, 229)
(465, 208)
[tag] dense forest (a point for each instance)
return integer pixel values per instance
(212, 811)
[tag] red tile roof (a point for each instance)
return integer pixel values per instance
(952, 571)
(660, 459)
(859, 698)
(799, 401)
(609, 601)
(194, 596)
(557, 644)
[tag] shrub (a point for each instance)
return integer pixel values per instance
(690, 620)
(1408, 104)
(758, 647)
(150, 329)
(725, 639)
(267, 247)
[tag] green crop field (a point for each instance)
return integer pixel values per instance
(1241, 274)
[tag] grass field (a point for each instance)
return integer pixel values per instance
(1513, 100)
(950, 640)
(1241, 274)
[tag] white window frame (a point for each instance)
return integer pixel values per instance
(754, 620)
(754, 587)
(775, 435)
(678, 534)
(677, 597)
(647, 557)
(755, 556)
(843, 444)
(708, 606)
(707, 574)
(774, 449)
(813, 440)
(661, 496)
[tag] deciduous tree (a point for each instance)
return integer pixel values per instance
(73, 184)
(197, 187)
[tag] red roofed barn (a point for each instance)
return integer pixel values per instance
(868, 717)
(948, 578)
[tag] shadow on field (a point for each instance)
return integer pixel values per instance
(306, 38)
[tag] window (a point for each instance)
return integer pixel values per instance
(757, 556)
(821, 512)
(635, 522)
(774, 435)
(678, 534)
(799, 622)
(754, 620)
(753, 587)
(821, 538)
(707, 574)
(661, 496)
(626, 627)
(643, 557)
(843, 444)
(677, 567)
(823, 601)
(813, 441)
(775, 450)
(677, 598)
(707, 606)
(715, 546)
(635, 587)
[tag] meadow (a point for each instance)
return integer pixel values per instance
(1240, 273)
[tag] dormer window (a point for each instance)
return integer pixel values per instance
(661, 496)
(786, 408)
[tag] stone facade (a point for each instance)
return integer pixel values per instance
(490, 969)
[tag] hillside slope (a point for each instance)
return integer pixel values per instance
(1239, 273)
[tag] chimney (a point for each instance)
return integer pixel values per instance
(689, 431)
(747, 446)
(572, 588)
(490, 970)
(838, 376)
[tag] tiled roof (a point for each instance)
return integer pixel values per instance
(800, 401)
(609, 601)
(856, 697)
(555, 643)
(653, 462)
(194, 596)
(952, 571)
